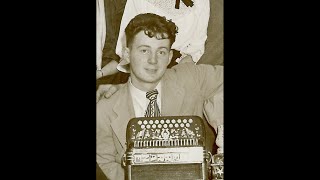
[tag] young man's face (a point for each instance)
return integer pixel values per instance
(149, 58)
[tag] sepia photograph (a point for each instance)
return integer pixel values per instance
(159, 90)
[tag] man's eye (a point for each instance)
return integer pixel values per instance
(162, 52)
(144, 51)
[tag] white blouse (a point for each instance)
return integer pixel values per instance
(192, 23)
(101, 31)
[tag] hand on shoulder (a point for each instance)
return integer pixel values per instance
(106, 91)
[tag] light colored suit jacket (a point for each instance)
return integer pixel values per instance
(185, 88)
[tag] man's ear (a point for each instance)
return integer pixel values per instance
(126, 54)
(170, 57)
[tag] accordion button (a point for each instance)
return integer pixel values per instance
(139, 122)
(156, 121)
(150, 122)
(161, 121)
(190, 120)
(173, 121)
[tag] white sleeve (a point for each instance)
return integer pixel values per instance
(197, 44)
(130, 12)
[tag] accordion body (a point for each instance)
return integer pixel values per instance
(166, 148)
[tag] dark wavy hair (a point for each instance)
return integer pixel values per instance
(153, 26)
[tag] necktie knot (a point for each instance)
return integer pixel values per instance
(152, 95)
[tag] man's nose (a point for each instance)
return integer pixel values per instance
(153, 59)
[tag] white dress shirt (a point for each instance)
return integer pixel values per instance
(140, 101)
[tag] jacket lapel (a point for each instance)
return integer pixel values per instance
(124, 112)
(171, 98)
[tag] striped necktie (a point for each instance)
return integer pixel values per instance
(153, 108)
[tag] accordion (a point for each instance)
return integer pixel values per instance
(166, 148)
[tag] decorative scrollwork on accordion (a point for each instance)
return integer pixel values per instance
(165, 132)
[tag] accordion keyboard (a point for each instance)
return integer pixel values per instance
(171, 131)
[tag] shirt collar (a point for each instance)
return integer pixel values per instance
(140, 98)
(141, 93)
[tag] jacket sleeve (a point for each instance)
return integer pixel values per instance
(213, 109)
(106, 151)
(212, 88)
(209, 79)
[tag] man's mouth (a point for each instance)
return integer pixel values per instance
(151, 71)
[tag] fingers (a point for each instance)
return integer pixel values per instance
(112, 89)
(106, 90)
(97, 97)
(102, 89)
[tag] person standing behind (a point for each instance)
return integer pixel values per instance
(113, 14)
(100, 41)
(191, 18)
(101, 32)
(213, 53)
(182, 90)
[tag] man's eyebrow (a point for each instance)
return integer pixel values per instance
(164, 48)
(150, 47)
(143, 46)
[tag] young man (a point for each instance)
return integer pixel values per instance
(183, 90)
